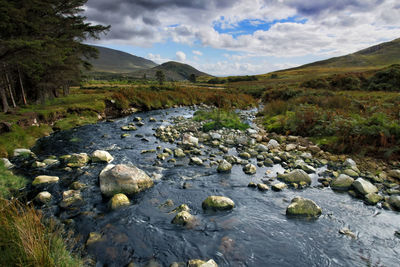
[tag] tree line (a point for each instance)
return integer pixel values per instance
(41, 49)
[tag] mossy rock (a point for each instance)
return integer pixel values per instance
(119, 200)
(303, 207)
(218, 203)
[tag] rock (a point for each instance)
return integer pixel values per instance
(268, 162)
(300, 164)
(305, 155)
(151, 119)
(189, 140)
(119, 200)
(350, 172)
(314, 149)
(303, 207)
(137, 119)
(45, 179)
(125, 135)
(38, 164)
(7, 163)
(196, 161)
(182, 207)
(177, 264)
(101, 156)
(51, 162)
(43, 197)
(215, 136)
(245, 155)
(290, 147)
(77, 160)
(372, 198)
(218, 203)
(364, 187)
(349, 163)
(251, 131)
(183, 218)
(296, 176)
(167, 150)
(224, 166)
(140, 123)
(22, 152)
(71, 198)
(262, 148)
(394, 202)
(93, 238)
(279, 186)
(123, 179)
(163, 156)
(262, 187)
(201, 263)
(252, 185)
(394, 174)
(346, 231)
(249, 169)
(129, 128)
(272, 144)
(77, 185)
(342, 183)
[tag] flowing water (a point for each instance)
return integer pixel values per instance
(255, 233)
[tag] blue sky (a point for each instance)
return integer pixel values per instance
(244, 37)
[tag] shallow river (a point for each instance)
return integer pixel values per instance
(255, 233)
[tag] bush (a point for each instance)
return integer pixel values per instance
(386, 80)
(218, 119)
(10, 183)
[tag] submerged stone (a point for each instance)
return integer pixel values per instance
(224, 166)
(119, 200)
(249, 169)
(183, 218)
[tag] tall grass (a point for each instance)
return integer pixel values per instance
(26, 241)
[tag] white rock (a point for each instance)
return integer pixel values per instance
(102, 156)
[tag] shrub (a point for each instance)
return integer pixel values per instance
(218, 119)
(386, 80)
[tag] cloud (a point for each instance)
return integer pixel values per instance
(196, 52)
(180, 56)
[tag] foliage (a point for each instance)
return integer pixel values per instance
(10, 183)
(386, 80)
(26, 241)
(218, 119)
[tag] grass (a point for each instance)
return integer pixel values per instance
(26, 241)
(218, 119)
(10, 183)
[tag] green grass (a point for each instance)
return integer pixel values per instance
(10, 183)
(25, 240)
(218, 119)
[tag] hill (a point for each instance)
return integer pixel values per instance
(174, 71)
(375, 56)
(115, 61)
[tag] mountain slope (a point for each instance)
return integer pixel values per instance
(174, 71)
(379, 55)
(115, 61)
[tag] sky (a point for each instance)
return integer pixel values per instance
(244, 37)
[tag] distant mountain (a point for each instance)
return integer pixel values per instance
(375, 56)
(174, 71)
(114, 61)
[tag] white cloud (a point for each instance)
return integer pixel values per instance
(180, 56)
(157, 58)
(196, 52)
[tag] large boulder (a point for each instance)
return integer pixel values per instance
(303, 207)
(218, 203)
(45, 179)
(364, 187)
(124, 179)
(101, 156)
(342, 183)
(224, 166)
(296, 176)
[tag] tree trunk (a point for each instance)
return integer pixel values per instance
(10, 90)
(66, 89)
(22, 87)
(4, 99)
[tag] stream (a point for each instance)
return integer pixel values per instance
(255, 233)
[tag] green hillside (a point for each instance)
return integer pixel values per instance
(174, 71)
(379, 55)
(114, 61)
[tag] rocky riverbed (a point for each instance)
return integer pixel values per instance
(153, 188)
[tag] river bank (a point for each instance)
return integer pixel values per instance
(186, 166)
